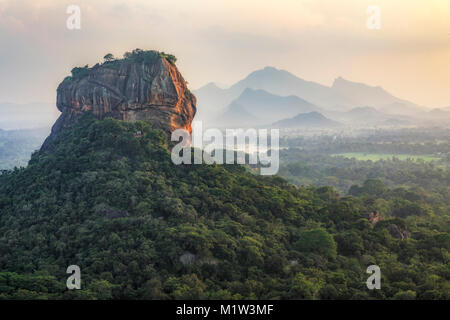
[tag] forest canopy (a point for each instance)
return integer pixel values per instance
(112, 202)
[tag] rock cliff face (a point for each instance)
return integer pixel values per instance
(152, 90)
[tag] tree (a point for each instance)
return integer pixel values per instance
(102, 289)
(405, 295)
(109, 57)
(302, 288)
(80, 72)
(373, 187)
(317, 241)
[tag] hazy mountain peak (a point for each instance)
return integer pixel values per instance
(264, 107)
(270, 68)
(364, 94)
(340, 82)
(271, 72)
(312, 115)
(365, 113)
(210, 85)
(342, 96)
(267, 97)
(365, 108)
(256, 92)
(311, 119)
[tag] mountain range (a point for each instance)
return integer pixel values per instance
(369, 116)
(266, 96)
(261, 107)
(273, 93)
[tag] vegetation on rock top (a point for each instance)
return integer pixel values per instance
(147, 57)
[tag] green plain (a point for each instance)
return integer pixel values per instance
(379, 156)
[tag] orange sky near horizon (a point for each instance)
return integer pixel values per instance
(223, 41)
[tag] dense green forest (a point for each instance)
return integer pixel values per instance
(413, 158)
(140, 227)
(303, 168)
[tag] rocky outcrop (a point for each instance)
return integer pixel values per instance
(136, 88)
(397, 233)
(374, 217)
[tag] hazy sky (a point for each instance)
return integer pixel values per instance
(222, 41)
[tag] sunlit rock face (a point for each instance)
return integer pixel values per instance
(127, 90)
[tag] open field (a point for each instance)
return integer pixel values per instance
(378, 156)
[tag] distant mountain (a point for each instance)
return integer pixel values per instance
(237, 115)
(212, 100)
(284, 83)
(367, 117)
(343, 95)
(363, 94)
(444, 112)
(364, 112)
(307, 120)
(255, 107)
(437, 116)
(403, 109)
(15, 116)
